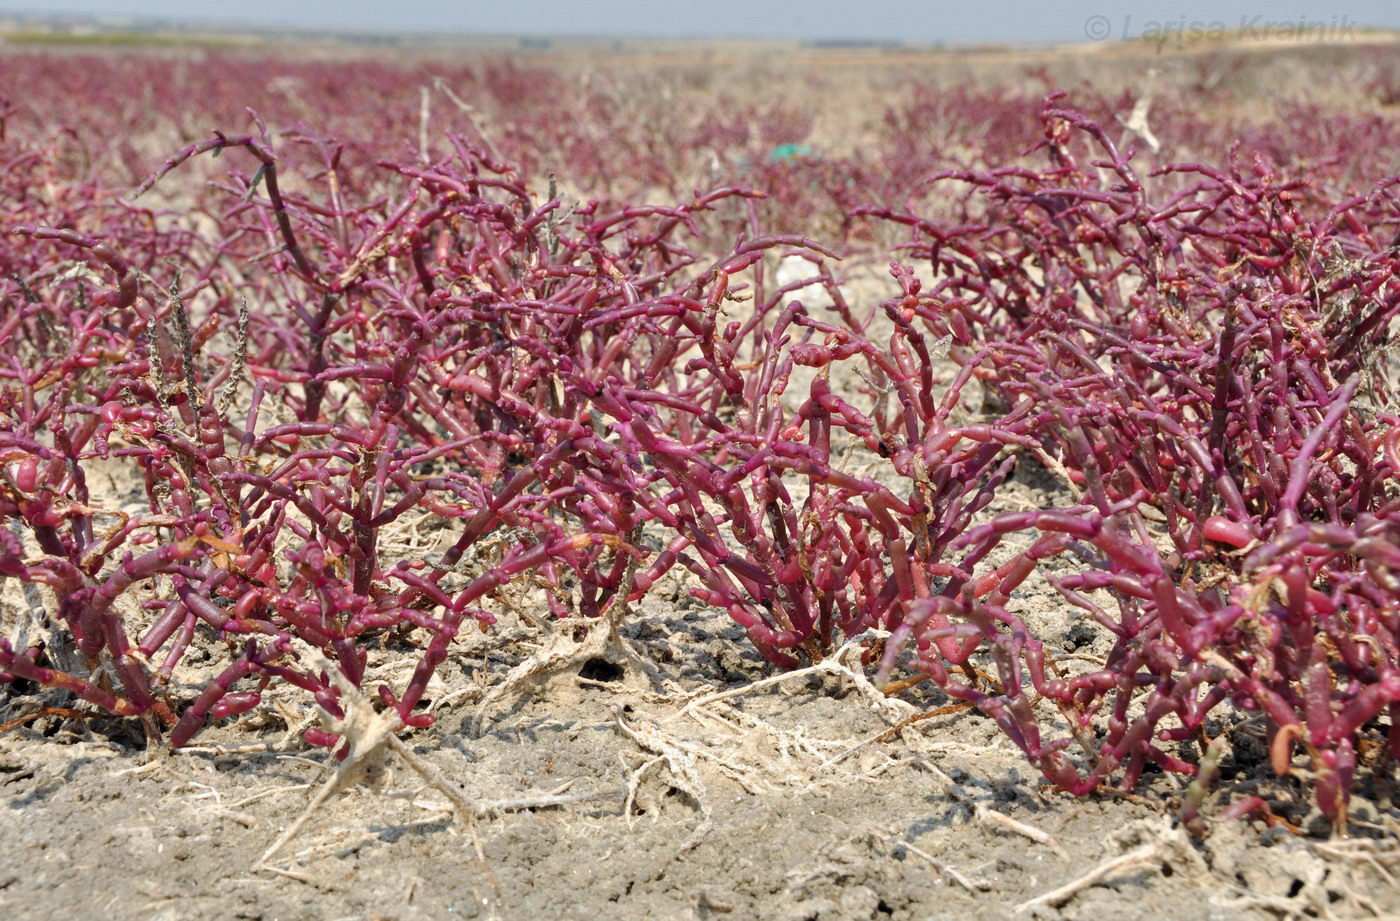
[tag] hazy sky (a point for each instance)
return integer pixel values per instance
(909, 20)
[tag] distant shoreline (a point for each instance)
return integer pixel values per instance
(46, 30)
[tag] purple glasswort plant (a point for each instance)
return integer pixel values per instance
(462, 388)
(1201, 362)
(801, 553)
